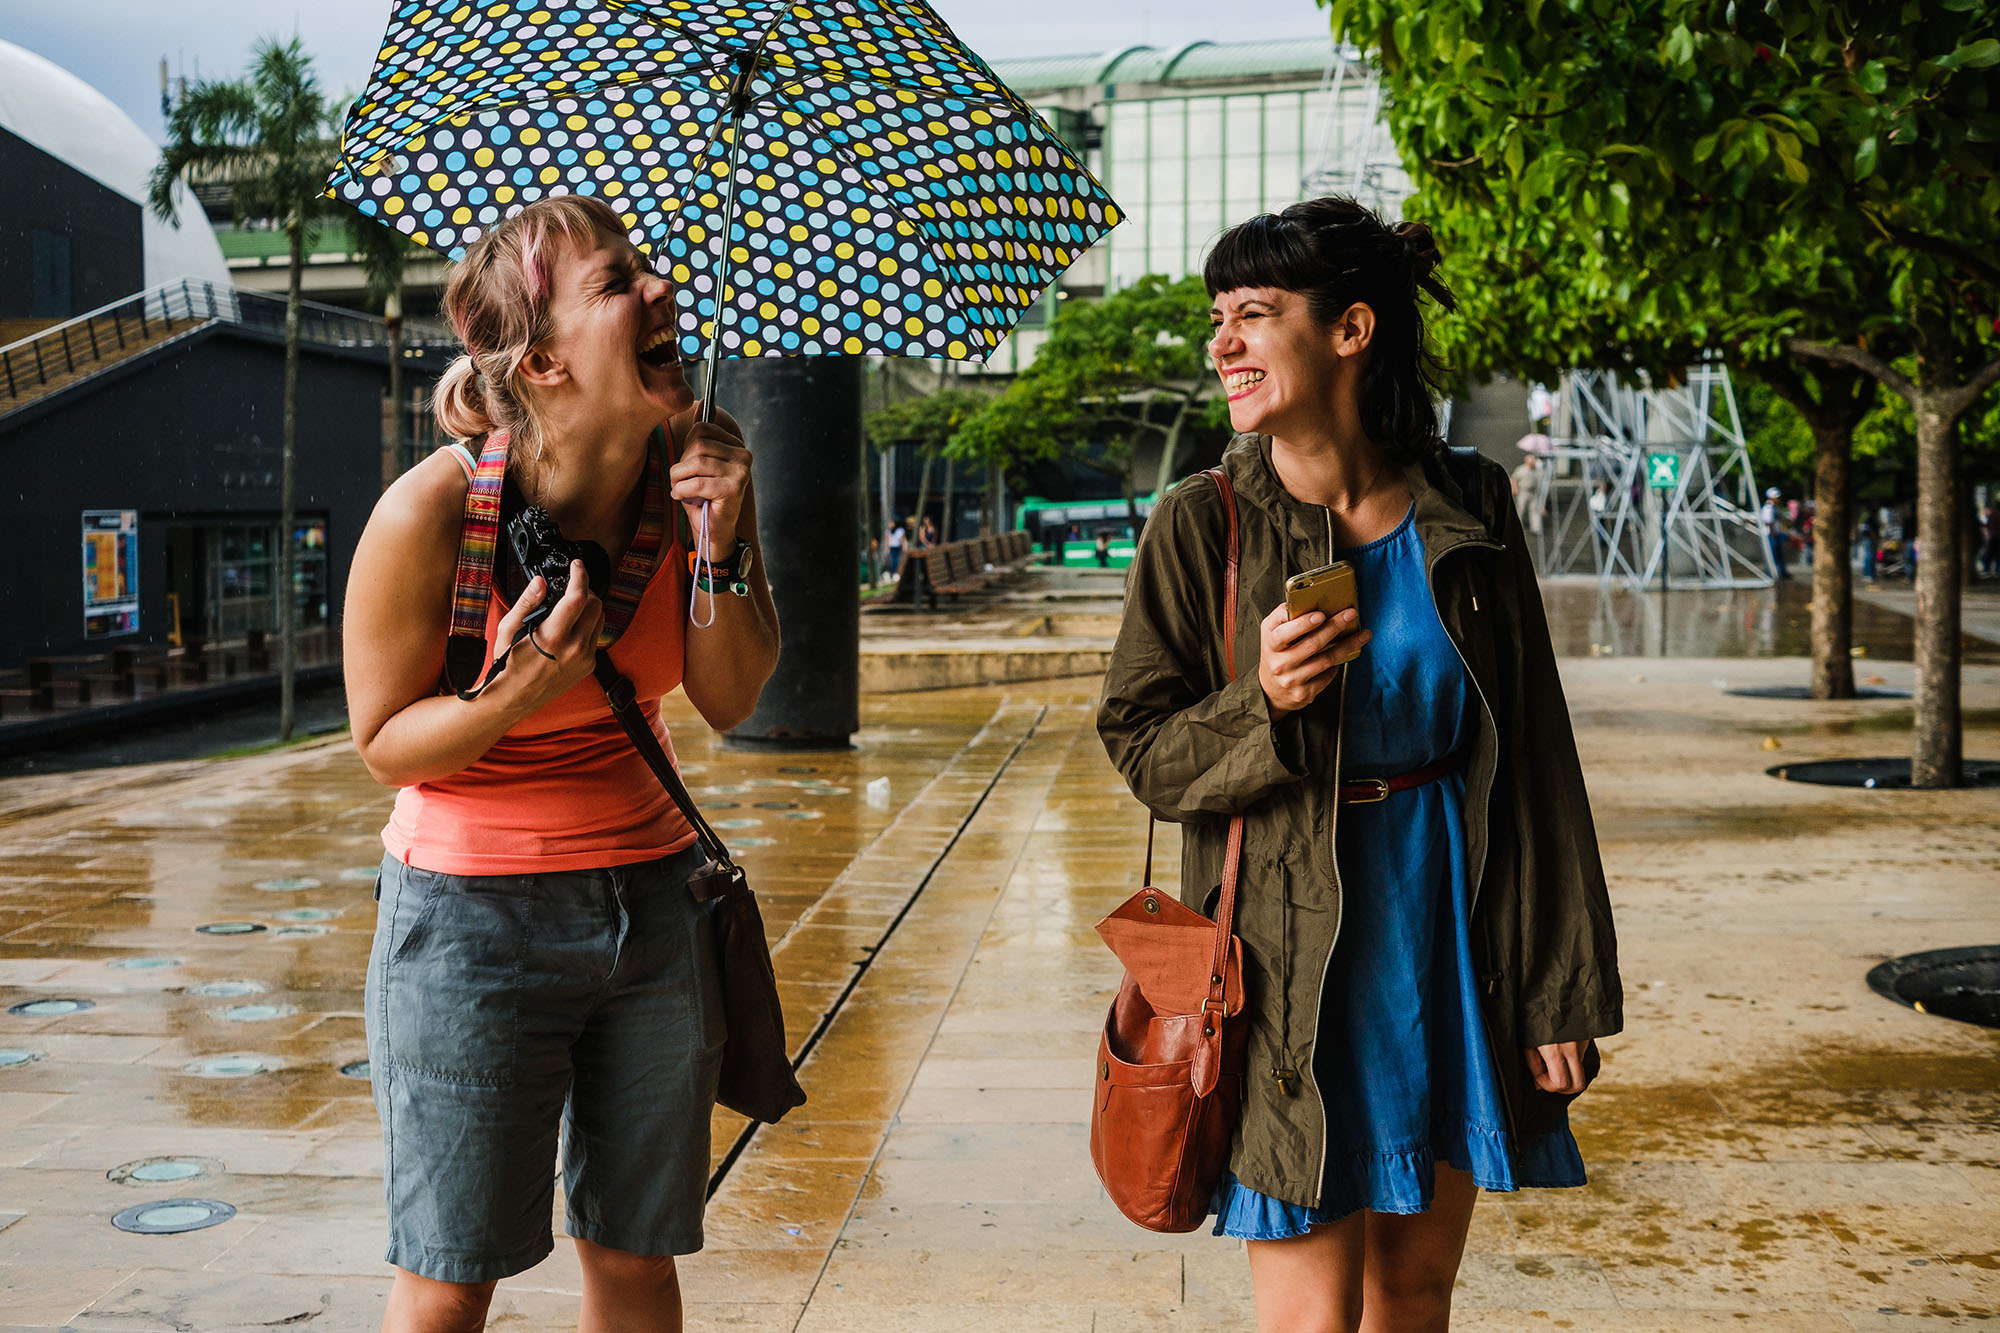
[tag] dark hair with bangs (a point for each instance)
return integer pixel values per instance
(1337, 254)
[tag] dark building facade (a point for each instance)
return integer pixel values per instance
(143, 502)
(67, 243)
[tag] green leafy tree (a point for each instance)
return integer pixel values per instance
(1112, 376)
(266, 134)
(1724, 174)
(926, 424)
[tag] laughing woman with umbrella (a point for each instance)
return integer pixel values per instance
(537, 960)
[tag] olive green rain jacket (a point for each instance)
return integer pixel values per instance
(1197, 748)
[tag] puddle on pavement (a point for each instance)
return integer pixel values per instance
(1589, 620)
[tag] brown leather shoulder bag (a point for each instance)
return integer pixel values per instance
(1169, 1085)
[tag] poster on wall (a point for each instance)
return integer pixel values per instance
(110, 572)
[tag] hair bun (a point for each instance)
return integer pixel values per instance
(1419, 245)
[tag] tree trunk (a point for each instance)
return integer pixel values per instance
(989, 510)
(1832, 567)
(869, 569)
(924, 488)
(1938, 743)
(1170, 450)
(288, 660)
(944, 528)
(392, 429)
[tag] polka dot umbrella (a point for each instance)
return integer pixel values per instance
(839, 178)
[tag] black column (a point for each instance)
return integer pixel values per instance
(801, 417)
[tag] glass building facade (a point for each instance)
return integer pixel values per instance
(1194, 139)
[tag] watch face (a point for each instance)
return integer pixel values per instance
(746, 556)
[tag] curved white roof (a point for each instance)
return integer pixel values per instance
(66, 118)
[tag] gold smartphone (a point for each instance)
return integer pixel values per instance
(1330, 588)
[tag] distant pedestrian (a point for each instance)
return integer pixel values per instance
(1867, 543)
(927, 533)
(1988, 564)
(1103, 549)
(1776, 539)
(898, 535)
(1405, 1049)
(1526, 481)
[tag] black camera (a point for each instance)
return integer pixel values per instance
(540, 548)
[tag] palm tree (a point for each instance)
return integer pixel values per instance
(265, 135)
(384, 255)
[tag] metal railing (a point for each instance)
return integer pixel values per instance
(137, 321)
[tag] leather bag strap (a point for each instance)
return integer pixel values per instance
(1232, 860)
(625, 707)
(1232, 554)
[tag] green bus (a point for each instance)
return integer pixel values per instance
(1071, 526)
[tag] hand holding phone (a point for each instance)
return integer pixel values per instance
(1314, 631)
(1330, 589)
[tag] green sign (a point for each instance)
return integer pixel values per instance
(1663, 471)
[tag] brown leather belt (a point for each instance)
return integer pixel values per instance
(1367, 791)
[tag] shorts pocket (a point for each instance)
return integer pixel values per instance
(452, 1002)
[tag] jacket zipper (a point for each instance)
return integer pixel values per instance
(1507, 1111)
(1339, 912)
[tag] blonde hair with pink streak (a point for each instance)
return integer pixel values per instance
(497, 300)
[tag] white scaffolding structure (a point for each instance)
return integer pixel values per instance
(1353, 154)
(1589, 510)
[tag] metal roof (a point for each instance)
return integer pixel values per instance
(1194, 62)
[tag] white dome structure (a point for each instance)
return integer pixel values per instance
(49, 107)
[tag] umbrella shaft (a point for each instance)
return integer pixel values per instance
(714, 355)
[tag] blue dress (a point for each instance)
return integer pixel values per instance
(1402, 1061)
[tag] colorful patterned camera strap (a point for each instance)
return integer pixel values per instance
(479, 537)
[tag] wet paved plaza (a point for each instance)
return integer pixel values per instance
(1771, 1145)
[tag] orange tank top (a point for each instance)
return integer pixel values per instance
(564, 789)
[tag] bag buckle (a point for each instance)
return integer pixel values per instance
(1379, 791)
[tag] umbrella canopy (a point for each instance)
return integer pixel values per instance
(878, 189)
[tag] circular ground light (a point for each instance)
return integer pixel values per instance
(361, 874)
(50, 1008)
(777, 805)
(825, 791)
(231, 1066)
(306, 914)
(162, 1170)
(301, 930)
(797, 768)
(754, 842)
(229, 928)
(720, 805)
(297, 884)
(357, 1069)
(1805, 692)
(736, 823)
(802, 814)
(1877, 774)
(255, 1013)
(227, 990)
(1953, 983)
(170, 1217)
(11, 1057)
(145, 964)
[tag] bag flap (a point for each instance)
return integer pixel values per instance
(1169, 950)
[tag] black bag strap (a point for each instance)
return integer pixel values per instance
(625, 707)
(1461, 464)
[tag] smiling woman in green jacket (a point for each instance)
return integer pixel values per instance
(1427, 937)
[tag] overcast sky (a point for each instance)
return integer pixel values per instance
(116, 45)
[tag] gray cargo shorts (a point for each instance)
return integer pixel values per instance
(501, 1006)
